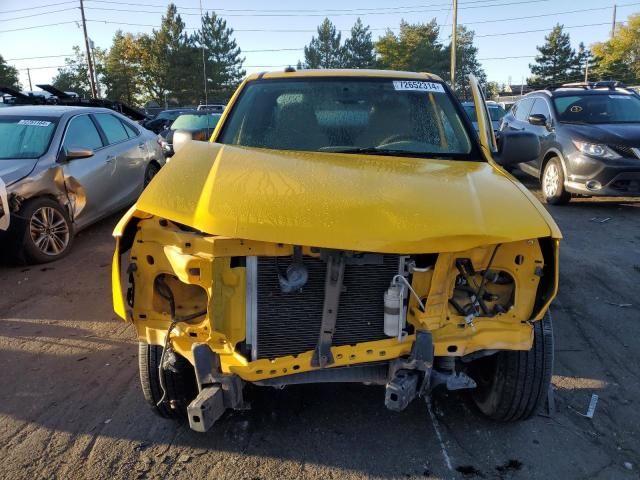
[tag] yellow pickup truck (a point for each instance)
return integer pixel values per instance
(341, 226)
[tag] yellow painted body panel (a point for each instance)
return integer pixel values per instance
(257, 202)
(357, 202)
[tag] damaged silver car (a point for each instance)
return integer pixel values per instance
(65, 168)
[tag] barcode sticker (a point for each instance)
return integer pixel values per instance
(417, 85)
(34, 123)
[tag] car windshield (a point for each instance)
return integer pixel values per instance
(25, 137)
(598, 108)
(363, 115)
(167, 114)
(195, 122)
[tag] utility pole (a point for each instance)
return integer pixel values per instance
(613, 22)
(89, 59)
(93, 58)
(586, 71)
(204, 63)
(454, 43)
(29, 75)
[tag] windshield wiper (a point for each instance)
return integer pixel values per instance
(375, 151)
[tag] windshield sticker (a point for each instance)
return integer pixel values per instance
(418, 86)
(34, 123)
(576, 109)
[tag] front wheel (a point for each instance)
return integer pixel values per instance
(553, 183)
(513, 385)
(179, 382)
(44, 231)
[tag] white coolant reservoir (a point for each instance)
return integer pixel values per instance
(394, 310)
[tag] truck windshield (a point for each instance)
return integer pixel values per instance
(22, 137)
(598, 108)
(364, 115)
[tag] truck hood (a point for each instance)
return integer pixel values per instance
(343, 201)
(13, 170)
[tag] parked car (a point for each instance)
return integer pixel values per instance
(199, 125)
(342, 226)
(213, 108)
(589, 136)
(66, 168)
(496, 113)
(164, 119)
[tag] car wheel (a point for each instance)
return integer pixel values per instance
(553, 183)
(513, 385)
(179, 382)
(150, 172)
(45, 231)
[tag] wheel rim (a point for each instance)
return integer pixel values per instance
(149, 174)
(49, 231)
(551, 177)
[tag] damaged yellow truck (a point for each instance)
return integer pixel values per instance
(341, 226)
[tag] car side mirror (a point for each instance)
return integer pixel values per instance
(538, 119)
(517, 147)
(68, 154)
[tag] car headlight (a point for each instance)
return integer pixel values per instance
(596, 150)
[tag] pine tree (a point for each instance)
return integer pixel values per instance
(121, 74)
(416, 48)
(467, 63)
(223, 61)
(325, 51)
(358, 49)
(556, 60)
(583, 57)
(8, 75)
(74, 76)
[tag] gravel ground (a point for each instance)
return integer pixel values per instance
(71, 405)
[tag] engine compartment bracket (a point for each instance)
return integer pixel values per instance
(322, 355)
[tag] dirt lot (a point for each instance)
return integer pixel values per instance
(71, 405)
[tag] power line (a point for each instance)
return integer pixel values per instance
(38, 26)
(326, 11)
(38, 6)
(364, 14)
(37, 58)
(39, 14)
(539, 30)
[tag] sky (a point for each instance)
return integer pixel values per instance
(497, 24)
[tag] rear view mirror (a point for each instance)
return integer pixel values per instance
(73, 153)
(517, 147)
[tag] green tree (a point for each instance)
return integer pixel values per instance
(416, 48)
(619, 57)
(358, 49)
(8, 75)
(74, 76)
(121, 69)
(556, 60)
(326, 50)
(582, 58)
(492, 90)
(467, 63)
(222, 56)
(167, 62)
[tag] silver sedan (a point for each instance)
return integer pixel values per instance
(65, 168)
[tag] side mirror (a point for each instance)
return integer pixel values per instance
(181, 138)
(517, 147)
(538, 119)
(68, 154)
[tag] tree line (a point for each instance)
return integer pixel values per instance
(166, 65)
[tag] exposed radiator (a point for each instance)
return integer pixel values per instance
(289, 323)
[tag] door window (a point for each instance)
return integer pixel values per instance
(82, 133)
(112, 127)
(133, 133)
(523, 107)
(541, 107)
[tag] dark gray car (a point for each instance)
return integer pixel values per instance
(65, 168)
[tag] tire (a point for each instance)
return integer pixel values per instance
(43, 231)
(152, 169)
(552, 181)
(180, 384)
(513, 385)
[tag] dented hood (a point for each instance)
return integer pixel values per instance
(352, 202)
